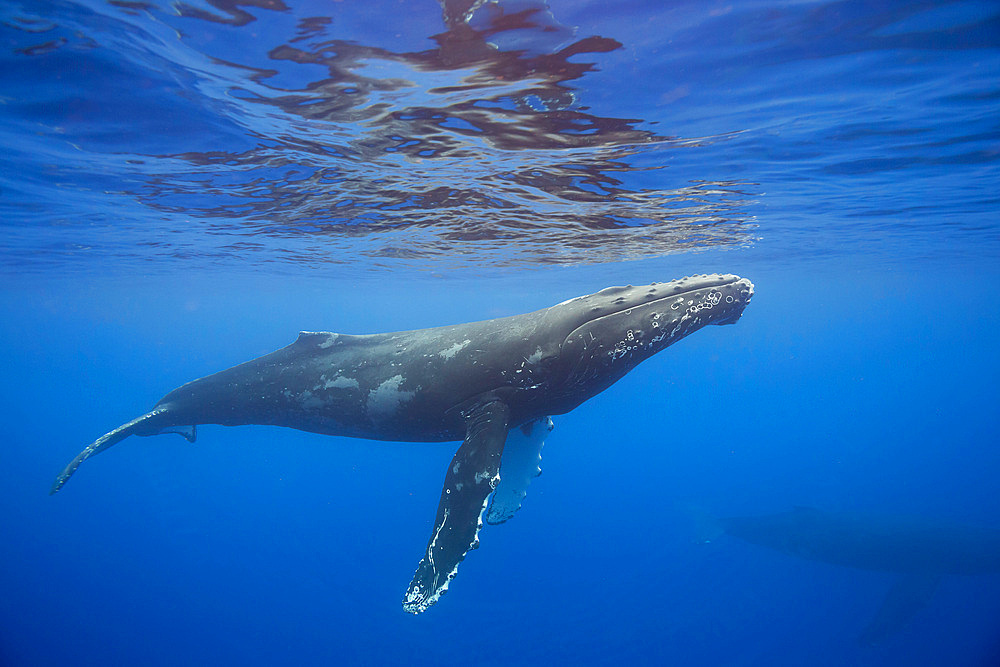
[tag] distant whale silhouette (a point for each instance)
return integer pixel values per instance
(920, 550)
(476, 382)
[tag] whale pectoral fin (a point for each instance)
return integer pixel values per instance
(906, 597)
(521, 463)
(189, 432)
(471, 478)
(138, 426)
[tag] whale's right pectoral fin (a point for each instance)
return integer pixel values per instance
(521, 463)
(471, 478)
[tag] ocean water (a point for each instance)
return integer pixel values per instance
(186, 185)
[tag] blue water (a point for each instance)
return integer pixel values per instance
(184, 186)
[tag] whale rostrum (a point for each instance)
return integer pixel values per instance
(491, 384)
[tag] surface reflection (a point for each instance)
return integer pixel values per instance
(478, 151)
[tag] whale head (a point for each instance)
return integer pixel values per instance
(612, 331)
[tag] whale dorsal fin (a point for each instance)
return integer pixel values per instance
(319, 339)
(314, 336)
(324, 339)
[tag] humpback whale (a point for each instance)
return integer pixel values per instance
(920, 551)
(491, 384)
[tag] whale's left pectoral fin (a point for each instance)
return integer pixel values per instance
(908, 595)
(471, 478)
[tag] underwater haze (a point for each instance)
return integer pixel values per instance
(186, 185)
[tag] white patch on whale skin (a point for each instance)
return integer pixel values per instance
(331, 338)
(384, 400)
(417, 599)
(339, 382)
(309, 401)
(454, 349)
(305, 398)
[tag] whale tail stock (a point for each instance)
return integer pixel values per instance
(151, 423)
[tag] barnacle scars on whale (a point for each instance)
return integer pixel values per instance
(492, 384)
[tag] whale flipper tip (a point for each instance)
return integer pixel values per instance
(107, 440)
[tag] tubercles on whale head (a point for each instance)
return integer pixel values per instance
(618, 327)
